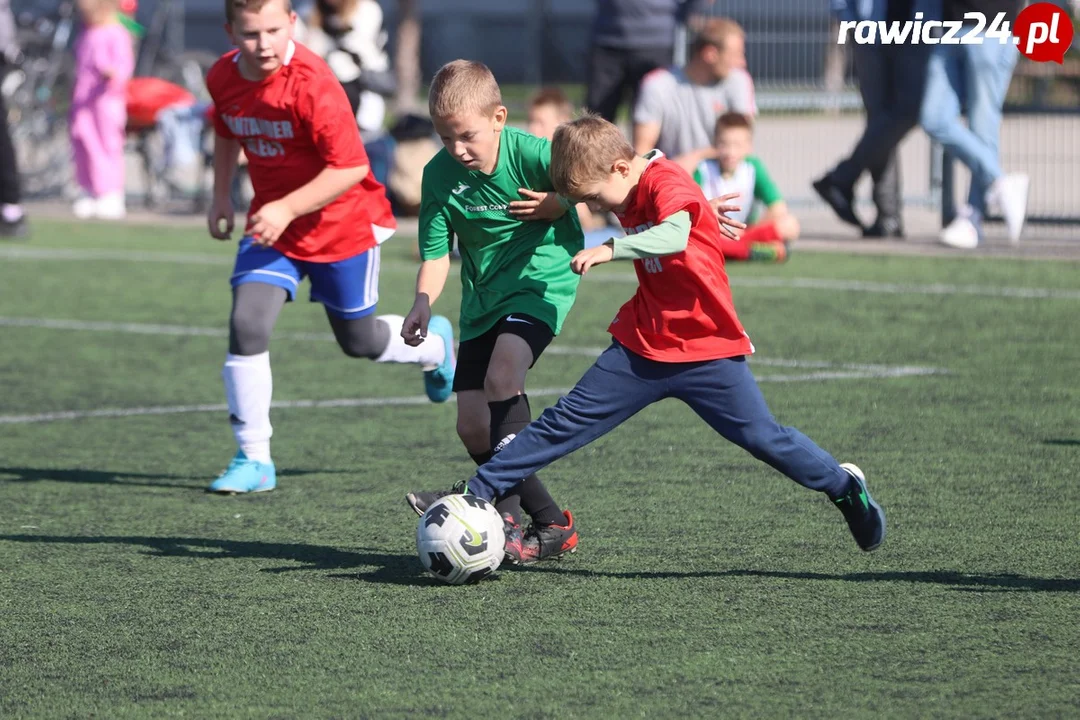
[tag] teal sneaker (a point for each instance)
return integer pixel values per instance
(439, 383)
(245, 476)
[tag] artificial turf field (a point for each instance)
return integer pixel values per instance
(705, 584)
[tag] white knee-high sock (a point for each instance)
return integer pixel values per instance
(248, 389)
(429, 353)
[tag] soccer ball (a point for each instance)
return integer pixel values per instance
(460, 539)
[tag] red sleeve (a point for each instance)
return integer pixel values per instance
(213, 85)
(326, 114)
(671, 189)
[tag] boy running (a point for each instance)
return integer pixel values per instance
(517, 284)
(678, 336)
(318, 212)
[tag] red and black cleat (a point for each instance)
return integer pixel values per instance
(514, 538)
(545, 542)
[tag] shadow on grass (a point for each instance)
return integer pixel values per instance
(106, 477)
(388, 568)
(1062, 441)
(958, 581)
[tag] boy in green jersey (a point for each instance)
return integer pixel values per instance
(517, 282)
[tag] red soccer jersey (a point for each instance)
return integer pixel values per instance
(682, 310)
(292, 126)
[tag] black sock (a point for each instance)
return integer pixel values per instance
(509, 504)
(508, 418)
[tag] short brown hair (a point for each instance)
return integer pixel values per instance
(463, 86)
(553, 96)
(714, 32)
(583, 151)
(731, 120)
(232, 6)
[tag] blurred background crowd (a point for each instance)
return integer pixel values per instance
(106, 108)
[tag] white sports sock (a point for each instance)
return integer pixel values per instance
(248, 389)
(12, 213)
(429, 353)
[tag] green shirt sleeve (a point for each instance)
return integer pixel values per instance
(535, 157)
(765, 189)
(667, 238)
(436, 235)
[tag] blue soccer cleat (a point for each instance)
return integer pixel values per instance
(245, 476)
(439, 383)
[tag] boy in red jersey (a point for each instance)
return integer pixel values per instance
(677, 337)
(318, 212)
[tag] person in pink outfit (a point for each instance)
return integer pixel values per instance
(104, 62)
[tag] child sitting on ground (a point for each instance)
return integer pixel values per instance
(737, 170)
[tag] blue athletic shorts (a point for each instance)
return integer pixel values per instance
(348, 288)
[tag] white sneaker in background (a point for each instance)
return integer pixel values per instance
(84, 207)
(961, 234)
(1011, 195)
(112, 206)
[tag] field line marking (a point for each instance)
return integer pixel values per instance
(564, 350)
(799, 283)
(414, 399)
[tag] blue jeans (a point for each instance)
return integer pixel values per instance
(722, 392)
(975, 77)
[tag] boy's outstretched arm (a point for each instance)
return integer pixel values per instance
(268, 224)
(226, 158)
(430, 281)
(668, 237)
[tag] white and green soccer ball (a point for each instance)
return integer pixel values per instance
(460, 539)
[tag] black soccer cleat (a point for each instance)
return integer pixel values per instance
(421, 501)
(865, 518)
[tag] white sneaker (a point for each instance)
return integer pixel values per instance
(84, 207)
(1011, 194)
(112, 206)
(961, 233)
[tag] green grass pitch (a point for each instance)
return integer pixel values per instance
(706, 584)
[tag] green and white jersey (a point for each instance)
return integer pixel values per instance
(508, 265)
(750, 179)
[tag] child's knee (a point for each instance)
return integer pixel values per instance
(475, 435)
(761, 438)
(360, 346)
(788, 226)
(248, 335)
(502, 382)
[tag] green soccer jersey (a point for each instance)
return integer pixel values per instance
(508, 265)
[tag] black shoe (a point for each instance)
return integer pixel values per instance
(17, 229)
(840, 200)
(421, 501)
(884, 228)
(865, 518)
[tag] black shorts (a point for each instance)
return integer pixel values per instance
(474, 355)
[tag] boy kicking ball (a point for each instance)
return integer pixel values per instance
(678, 336)
(318, 213)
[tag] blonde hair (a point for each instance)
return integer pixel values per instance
(232, 6)
(552, 96)
(583, 152)
(714, 33)
(463, 86)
